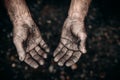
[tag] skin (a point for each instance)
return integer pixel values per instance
(73, 38)
(31, 48)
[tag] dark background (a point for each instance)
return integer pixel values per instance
(102, 61)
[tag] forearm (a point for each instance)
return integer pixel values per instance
(18, 11)
(78, 9)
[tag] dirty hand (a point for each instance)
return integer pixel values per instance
(72, 42)
(30, 46)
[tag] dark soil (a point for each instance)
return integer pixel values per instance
(102, 61)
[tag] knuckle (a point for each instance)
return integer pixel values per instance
(37, 48)
(69, 54)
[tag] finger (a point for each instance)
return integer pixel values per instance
(30, 62)
(40, 52)
(60, 54)
(33, 53)
(32, 44)
(19, 46)
(36, 57)
(44, 46)
(82, 37)
(65, 58)
(60, 46)
(75, 57)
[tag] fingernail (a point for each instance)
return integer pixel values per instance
(60, 64)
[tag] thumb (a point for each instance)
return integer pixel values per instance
(82, 36)
(19, 46)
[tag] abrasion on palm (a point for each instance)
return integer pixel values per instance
(72, 43)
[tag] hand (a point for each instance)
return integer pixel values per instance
(72, 43)
(30, 46)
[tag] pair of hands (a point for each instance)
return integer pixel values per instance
(32, 49)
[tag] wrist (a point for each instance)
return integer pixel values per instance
(20, 22)
(75, 15)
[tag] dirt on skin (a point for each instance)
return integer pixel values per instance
(102, 60)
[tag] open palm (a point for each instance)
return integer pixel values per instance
(72, 43)
(30, 46)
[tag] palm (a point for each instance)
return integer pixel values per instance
(71, 44)
(27, 39)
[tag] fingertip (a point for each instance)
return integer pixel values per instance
(60, 64)
(69, 63)
(41, 62)
(47, 50)
(35, 66)
(21, 56)
(55, 59)
(83, 50)
(45, 56)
